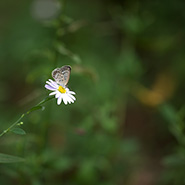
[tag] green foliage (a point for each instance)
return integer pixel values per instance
(4, 158)
(174, 173)
(18, 131)
(127, 124)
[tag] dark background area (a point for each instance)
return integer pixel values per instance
(128, 72)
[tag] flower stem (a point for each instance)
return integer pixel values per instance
(34, 108)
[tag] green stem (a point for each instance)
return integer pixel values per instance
(34, 108)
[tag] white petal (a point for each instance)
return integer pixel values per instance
(50, 84)
(65, 100)
(70, 100)
(59, 100)
(71, 92)
(57, 94)
(54, 85)
(53, 93)
(53, 82)
(72, 97)
(50, 87)
(68, 91)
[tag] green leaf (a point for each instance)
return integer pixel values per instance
(19, 131)
(35, 108)
(4, 158)
(169, 113)
(39, 104)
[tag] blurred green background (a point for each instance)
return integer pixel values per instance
(128, 72)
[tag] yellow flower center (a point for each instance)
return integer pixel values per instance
(61, 89)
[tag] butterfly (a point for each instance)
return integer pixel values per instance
(61, 75)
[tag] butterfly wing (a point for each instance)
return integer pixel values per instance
(61, 75)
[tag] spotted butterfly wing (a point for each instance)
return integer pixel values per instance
(61, 75)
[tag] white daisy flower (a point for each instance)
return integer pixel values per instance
(60, 92)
